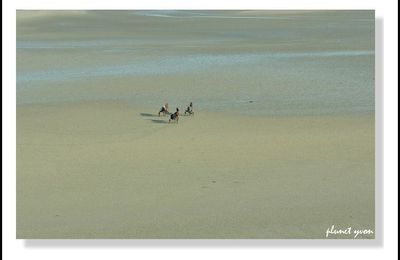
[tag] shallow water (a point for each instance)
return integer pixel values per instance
(307, 63)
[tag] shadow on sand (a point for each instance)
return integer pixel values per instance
(158, 121)
(148, 114)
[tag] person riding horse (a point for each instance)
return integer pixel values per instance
(164, 110)
(189, 109)
(174, 116)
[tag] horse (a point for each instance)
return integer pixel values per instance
(174, 117)
(189, 111)
(163, 111)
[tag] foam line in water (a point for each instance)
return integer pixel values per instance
(174, 64)
(188, 15)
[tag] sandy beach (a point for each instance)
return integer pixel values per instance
(281, 144)
(107, 170)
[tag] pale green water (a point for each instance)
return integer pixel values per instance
(312, 63)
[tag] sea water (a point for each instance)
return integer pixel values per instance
(263, 63)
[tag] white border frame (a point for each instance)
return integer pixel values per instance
(385, 245)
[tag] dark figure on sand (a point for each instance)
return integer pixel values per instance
(189, 109)
(174, 116)
(163, 110)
